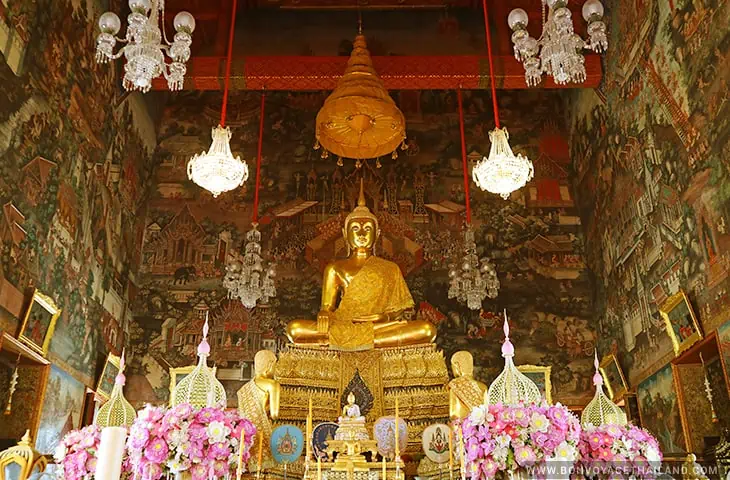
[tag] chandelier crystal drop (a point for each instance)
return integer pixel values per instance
(147, 44)
(474, 279)
(217, 170)
(251, 280)
(503, 172)
(558, 50)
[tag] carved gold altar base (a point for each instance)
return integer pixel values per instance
(416, 375)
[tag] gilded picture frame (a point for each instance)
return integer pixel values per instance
(613, 378)
(105, 384)
(39, 322)
(680, 322)
(541, 376)
(177, 374)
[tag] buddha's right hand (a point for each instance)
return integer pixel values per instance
(323, 321)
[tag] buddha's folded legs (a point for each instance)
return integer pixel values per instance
(404, 333)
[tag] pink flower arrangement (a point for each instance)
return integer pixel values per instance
(76, 454)
(501, 439)
(204, 442)
(618, 451)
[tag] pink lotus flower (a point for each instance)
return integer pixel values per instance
(525, 456)
(157, 450)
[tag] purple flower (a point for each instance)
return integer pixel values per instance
(209, 414)
(156, 451)
(138, 437)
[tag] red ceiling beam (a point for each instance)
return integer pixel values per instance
(397, 72)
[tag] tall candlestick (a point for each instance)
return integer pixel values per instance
(239, 470)
(319, 467)
(462, 454)
(451, 453)
(260, 455)
(111, 451)
(385, 469)
(397, 430)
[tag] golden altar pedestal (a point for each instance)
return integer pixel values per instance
(416, 375)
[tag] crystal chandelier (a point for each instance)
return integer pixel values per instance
(217, 170)
(475, 279)
(502, 172)
(248, 280)
(558, 50)
(145, 50)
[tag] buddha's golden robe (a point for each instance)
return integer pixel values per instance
(468, 391)
(378, 288)
(252, 405)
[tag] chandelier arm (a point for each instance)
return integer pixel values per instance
(491, 65)
(463, 157)
(228, 62)
(117, 55)
(162, 23)
(255, 216)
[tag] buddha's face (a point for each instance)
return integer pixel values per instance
(351, 398)
(361, 233)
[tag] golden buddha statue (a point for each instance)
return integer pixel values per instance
(465, 393)
(258, 394)
(363, 297)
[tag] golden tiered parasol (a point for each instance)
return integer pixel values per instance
(359, 119)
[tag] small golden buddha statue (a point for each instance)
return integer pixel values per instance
(465, 393)
(351, 423)
(258, 394)
(363, 297)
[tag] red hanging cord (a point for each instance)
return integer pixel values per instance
(258, 160)
(228, 63)
(491, 65)
(463, 157)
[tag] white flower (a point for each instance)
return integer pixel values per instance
(565, 451)
(652, 456)
(500, 454)
(59, 453)
(178, 437)
(217, 432)
(503, 440)
(175, 465)
(478, 415)
(539, 422)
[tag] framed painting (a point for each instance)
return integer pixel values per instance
(613, 377)
(541, 376)
(680, 321)
(39, 322)
(723, 343)
(659, 411)
(62, 410)
(631, 407)
(178, 374)
(105, 385)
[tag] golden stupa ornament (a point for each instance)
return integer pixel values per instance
(117, 411)
(601, 410)
(359, 119)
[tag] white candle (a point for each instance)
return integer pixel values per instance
(110, 453)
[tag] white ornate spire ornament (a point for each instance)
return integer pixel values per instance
(511, 387)
(117, 411)
(217, 170)
(558, 50)
(601, 410)
(145, 49)
(201, 388)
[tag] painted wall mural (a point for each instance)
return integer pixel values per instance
(652, 174)
(535, 238)
(74, 165)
